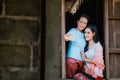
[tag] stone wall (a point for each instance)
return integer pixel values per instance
(20, 40)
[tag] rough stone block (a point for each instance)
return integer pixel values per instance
(11, 56)
(11, 29)
(36, 56)
(20, 75)
(22, 7)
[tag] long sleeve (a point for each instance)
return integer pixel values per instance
(98, 59)
(97, 68)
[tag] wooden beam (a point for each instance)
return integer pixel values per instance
(114, 50)
(63, 58)
(106, 31)
(115, 79)
(114, 17)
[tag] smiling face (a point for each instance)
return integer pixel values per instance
(81, 23)
(89, 34)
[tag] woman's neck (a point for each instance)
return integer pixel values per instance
(91, 44)
(78, 29)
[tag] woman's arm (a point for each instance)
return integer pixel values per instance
(68, 37)
(86, 69)
(88, 60)
(98, 59)
(85, 59)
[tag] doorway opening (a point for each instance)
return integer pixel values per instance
(92, 8)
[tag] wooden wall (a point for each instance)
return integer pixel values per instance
(114, 38)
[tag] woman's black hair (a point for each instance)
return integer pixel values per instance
(93, 28)
(85, 16)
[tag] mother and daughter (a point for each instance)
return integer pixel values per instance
(84, 46)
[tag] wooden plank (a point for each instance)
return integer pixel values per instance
(106, 38)
(114, 66)
(63, 58)
(115, 79)
(114, 50)
(114, 17)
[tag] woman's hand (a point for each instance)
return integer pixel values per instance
(86, 69)
(68, 37)
(86, 59)
(83, 55)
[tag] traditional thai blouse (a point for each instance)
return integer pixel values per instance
(77, 45)
(95, 54)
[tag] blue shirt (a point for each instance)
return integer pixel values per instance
(75, 46)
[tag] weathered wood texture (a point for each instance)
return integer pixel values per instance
(114, 37)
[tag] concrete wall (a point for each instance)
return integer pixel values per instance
(52, 41)
(19, 40)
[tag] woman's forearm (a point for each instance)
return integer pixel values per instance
(88, 60)
(68, 37)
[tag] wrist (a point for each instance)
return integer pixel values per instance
(84, 59)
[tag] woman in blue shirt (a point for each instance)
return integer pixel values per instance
(76, 44)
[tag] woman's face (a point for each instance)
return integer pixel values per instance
(89, 34)
(81, 23)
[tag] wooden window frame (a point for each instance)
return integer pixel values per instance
(106, 38)
(63, 50)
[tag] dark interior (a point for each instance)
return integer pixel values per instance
(94, 9)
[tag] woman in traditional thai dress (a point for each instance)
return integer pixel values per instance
(93, 54)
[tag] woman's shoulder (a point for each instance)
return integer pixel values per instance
(72, 29)
(98, 45)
